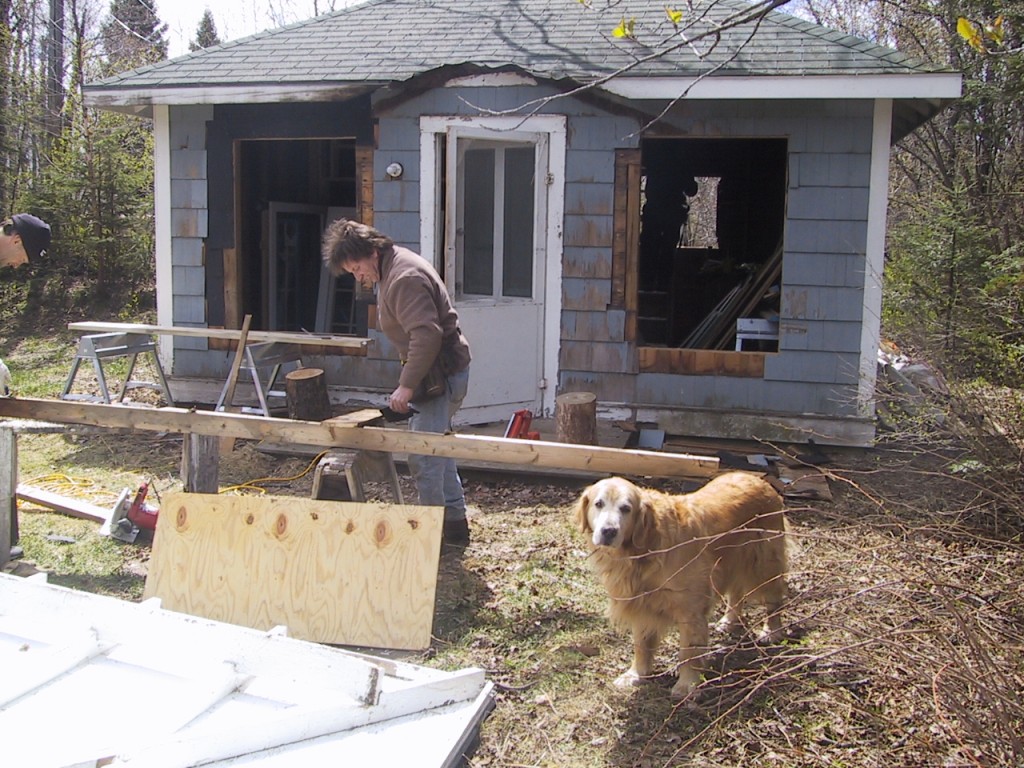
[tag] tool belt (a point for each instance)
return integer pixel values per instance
(452, 358)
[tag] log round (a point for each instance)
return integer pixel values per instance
(306, 390)
(576, 418)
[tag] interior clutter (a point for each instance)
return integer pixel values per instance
(711, 225)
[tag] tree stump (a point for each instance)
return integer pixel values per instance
(576, 418)
(306, 390)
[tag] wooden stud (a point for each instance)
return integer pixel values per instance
(8, 492)
(200, 463)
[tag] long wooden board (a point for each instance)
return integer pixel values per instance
(332, 572)
(353, 344)
(343, 434)
(72, 507)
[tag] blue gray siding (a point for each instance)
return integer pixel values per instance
(816, 369)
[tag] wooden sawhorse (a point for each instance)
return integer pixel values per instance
(357, 467)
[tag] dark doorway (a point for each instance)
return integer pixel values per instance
(288, 191)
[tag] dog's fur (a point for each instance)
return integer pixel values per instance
(665, 559)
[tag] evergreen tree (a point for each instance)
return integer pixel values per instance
(94, 184)
(133, 35)
(206, 33)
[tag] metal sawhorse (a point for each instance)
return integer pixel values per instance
(97, 347)
(271, 355)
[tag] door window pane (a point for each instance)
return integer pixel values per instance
(478, 224)
(517, 269)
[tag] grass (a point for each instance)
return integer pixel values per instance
(905, 642)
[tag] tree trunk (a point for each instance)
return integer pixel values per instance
(576, 418)
(306, 389)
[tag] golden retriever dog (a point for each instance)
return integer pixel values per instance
(666, 559)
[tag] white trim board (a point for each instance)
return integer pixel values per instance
(122, 683)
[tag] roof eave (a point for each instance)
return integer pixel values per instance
(140, 101)
(938, 85)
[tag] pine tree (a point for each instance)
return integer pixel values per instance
(206, 33)
(133, 35)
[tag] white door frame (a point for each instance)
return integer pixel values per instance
(431, 240)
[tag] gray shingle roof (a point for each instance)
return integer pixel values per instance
(394, 40)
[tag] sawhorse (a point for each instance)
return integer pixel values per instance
(357, 467)
(100, 346)
(272, 355)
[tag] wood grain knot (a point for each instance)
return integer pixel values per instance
(382, 533)
(281, 526)
(181, 521)
(350, 527)
(314, 515)
(250, 519)
(413, 523)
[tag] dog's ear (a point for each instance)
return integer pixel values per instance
(582, 505)
(644, 523)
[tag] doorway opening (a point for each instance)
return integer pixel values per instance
(288, 191)
(710, 252)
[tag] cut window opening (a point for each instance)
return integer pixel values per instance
(710, 252)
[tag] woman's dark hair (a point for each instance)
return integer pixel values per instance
(346, 241)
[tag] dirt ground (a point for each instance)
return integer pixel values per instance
(904, 636)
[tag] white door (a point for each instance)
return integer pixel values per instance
(495, 235)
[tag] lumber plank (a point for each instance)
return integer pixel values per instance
(329, 434)
(72, 507)
(356, 418)
(537, 453)
(332, 572)
(354, 344)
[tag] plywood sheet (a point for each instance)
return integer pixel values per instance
(332, 572)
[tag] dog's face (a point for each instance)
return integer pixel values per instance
(612, 511)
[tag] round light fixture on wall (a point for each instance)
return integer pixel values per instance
(394, 170)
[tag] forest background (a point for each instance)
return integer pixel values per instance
(954, 283)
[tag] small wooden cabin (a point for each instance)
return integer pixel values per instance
(693, 231)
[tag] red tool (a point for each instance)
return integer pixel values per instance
(140, 513)
(519, 426)
(127, 518)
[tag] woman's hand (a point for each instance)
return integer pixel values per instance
(399, 400)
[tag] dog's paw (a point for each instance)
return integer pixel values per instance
(683, 691)
(628, 679)
(730, 627)
(770, 636)
(772, 633)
